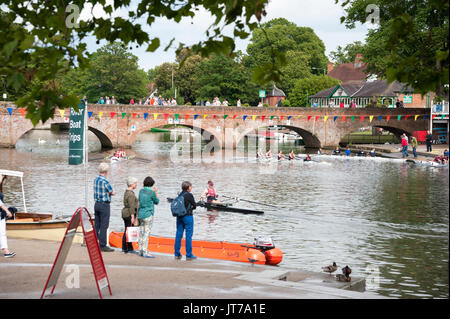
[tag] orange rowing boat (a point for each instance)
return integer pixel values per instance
(209, 249)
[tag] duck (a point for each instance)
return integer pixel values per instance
(42, 141)
(347, 271)
(57, 142)
(331, 268)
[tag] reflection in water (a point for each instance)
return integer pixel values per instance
(365, 213)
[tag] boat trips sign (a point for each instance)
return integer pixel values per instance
(76, 135)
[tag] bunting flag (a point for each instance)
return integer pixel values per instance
(325, 118)
(370, 118)
(123, 114)
(387, 118)
(415, 117)
(253, 118)
(335, 118)
(195, 116)
(317, 118)
(100, 114)
(353, 119)
(166, 116)
(134, 115)
(442, 116)
(205, 116)
(61, 112)
(155, 116)
(176, 117)
(379, 118)
(289, 117)
(112, 114)
(299, 116)
(425, 116)
(281, 117)
(362, 118)
(343, 118)
(234, 116)
(433, 116)
(186, 117)
(10, 109)
(263, 118)
(398, 117)
(245, 116)
(90, 114)
(271, 118)
(22, 111)
(145, 116)
(309, 117)
(225, 116)
(406, 117)
(214, 116)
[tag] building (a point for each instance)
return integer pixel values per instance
(274, 96)
(349, 73)
(362, 94)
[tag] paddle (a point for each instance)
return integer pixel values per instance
(249, 201)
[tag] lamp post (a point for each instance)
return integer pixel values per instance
(4, 86)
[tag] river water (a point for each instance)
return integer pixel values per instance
(387, 220)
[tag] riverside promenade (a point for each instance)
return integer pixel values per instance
(134, 277)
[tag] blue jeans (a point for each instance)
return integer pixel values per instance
(102, 213)
(405, 151)
(414, 152)
(184, 223)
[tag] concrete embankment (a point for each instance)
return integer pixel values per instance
(163, 277)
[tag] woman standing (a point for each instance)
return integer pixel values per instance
(4, 213)
(148, 197)
(129, 211)
(186, 222)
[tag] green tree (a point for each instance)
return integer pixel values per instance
(186, 82)
(304, 88)
(114, 71)
(296, 49)
(166, 75)
(348, 53)
(410, 42)
(42, 40)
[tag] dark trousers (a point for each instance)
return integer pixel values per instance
(126, 246)
(429, 146)
(102, 213)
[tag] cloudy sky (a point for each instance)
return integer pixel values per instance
(323, 16)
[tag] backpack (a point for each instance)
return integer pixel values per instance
(177, 206)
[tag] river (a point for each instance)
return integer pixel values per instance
(387, 220)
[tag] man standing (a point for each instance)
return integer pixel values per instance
(404, 145)
(414, 144)
(429, 139)
(102, 196)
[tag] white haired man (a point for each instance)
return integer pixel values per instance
(102, 196)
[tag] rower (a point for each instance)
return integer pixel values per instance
(259, 155)
(372, 152)
(336, 151)
(292, 155)
(210, 194)
(347, 152)
(307, 158)
(269, 154)
(361, 153)
(280, 155)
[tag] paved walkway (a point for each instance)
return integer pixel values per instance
(163, 277)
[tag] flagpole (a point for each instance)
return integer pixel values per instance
(86, 149)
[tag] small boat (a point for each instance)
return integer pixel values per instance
(25, 220)
(159, 130)
(262, 252)
(115, 159)
(224, 207)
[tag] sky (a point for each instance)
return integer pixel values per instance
(323, 16)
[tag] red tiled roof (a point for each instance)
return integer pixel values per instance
(347, 72)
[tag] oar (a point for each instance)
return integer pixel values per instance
(246, 200)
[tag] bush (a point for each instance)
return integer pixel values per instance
(188, 103)
(245, 104)
(285, 103)
(266, 105)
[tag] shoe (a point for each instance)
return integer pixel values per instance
(10, 255)
(191, 258)
(133, 252)
(148, 256)
(106, 249)
(179, 257)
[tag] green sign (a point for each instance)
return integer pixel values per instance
(76, 135)
(407, 98)
(262, 93)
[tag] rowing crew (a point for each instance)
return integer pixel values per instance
(210, 194)
(280, 155)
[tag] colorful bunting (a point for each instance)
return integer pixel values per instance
(263, 118)
(100, 114)
(387, 118)
(61, 112)
(234, 116)
(22, 111)
(225, 116)
(271, 118)
(281, 117)
(370, 118)
(362, 118)
(442, 116)
(325, 118)
(186, 117)
(289, 117)
(123, 114)
(353, 118)
(245, 116)
(145, 116)
(176, 117)
(335, 118)
(299, 116)
(309, 117)
(166, 116)
(10, 109)
(90, 114)
(406, 117)
(112, 114)
(214, 116)
(415, 117)
(398, 117)
(253, 118)
(195, 116)
(155, 116)
(134, 115)
(379, 118)
(434, 115)
(343, 118)
(317, 118)
(205, 116)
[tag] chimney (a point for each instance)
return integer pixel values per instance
(358, 60)
(330, 67)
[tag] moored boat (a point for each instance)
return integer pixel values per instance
(257, 254)
(225, 207)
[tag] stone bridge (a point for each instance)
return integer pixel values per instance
(118, 125)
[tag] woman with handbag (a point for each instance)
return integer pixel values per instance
(148, 198)
(129, 211)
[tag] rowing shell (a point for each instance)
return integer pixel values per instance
(225, 207)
